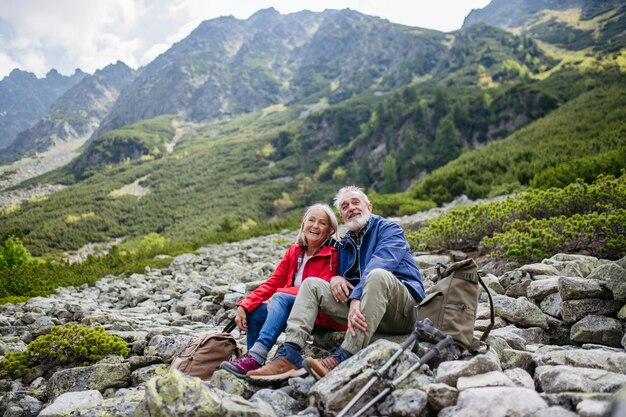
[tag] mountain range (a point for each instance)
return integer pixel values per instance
(245, 121)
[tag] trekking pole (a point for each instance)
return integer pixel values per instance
(424, 326)
(436, 350)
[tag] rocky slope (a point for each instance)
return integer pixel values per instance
(557, 350)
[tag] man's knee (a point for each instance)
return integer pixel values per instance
(312, 283)
(379, 276)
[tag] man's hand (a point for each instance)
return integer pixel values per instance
(356, 319)
(340, 287)
(240, 318)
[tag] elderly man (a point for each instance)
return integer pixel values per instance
(378, 289)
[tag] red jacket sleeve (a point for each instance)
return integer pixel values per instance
(282, 277)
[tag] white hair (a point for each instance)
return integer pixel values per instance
(332, 219)
(348, 189)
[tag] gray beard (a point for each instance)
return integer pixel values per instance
(357, 224)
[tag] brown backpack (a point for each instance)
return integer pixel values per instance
(452, 302)
(203, 355)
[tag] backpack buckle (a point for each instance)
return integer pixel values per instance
(470, 276)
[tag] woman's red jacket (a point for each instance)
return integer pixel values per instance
(321, 265)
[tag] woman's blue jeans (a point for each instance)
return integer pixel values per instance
(265, 325)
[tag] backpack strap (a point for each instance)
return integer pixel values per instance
(477, 342)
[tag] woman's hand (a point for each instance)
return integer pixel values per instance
(240, 318)
(356, 319)
(340, 288)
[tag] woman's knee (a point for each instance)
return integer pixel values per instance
(282, 298)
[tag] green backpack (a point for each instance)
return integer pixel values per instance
(452, 302)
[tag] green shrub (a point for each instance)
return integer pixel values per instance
(13, 254)
(580, 217)
(70, 345)
(398, 204)
(602, 234)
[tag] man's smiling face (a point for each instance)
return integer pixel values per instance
(355, 211)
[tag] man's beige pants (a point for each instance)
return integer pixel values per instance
(386, 303)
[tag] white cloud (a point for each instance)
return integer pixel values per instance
(37, 35)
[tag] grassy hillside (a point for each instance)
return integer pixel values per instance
(588, 125)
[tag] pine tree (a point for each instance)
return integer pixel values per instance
(390, 176)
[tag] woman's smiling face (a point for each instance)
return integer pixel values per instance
(316, 228)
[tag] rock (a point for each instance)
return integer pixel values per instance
(563, 378)
(404, 402)
(580, 288)
(441, 395)
(167, 347)
(497, 402)
(95, 377)
(280, 401)
(551, 305)
(334, 391)
(520, 378)
(598, 329)
(488, 379)
(574, 310)
(428, 261)
(594, 359)
(511, 359)
(593, 408)
(539, 269)
(175, 394)
(614, 277)
(449, 372)
(143, 375)
(225, 381)
(555, 411)
(538, 290)
(69, 402)
(519, 311)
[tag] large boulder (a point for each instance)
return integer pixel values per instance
(100, 376)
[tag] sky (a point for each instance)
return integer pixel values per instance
(39, 35)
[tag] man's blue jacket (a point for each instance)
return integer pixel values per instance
(383, 245)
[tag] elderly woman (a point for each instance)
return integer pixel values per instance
(311, 256)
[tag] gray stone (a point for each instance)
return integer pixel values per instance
(69, 402)
(572, 288)
(175, 394)
(514, 340)
(225, 381)
(85, 378)
(539, 269)
(488, 379)
(449, 372)
(282, 403)
(582, 358)
(334, 391)
(563, 378)
(441, 396)
(520, 378)
(593, 408)
(489, 402)
(167, 347)
(404, 402)
(555, 411)
(519, 311)
(428, 261)
(538, 290)
(574, 310)
(551, 305)
(511, 359)
(614, 276)
(598, 329)
(143, 375)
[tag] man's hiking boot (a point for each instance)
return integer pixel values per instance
(286, 364)
(240, 367)
(319, 368)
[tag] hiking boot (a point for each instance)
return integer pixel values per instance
(278, 370)
(240, 367)
(319, 368)
(286, 364)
